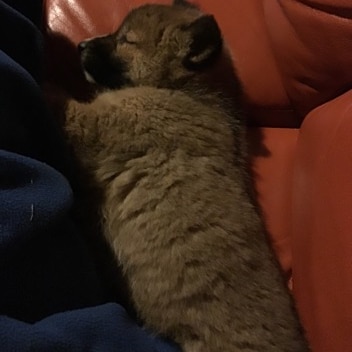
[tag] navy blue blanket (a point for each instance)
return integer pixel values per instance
(51, 297)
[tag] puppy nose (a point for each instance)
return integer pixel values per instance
(82, 45)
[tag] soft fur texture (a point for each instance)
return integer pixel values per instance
(167, 151)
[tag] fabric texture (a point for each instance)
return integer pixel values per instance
(51, 296)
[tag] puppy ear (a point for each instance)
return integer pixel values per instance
(205, 42)
(183, 3)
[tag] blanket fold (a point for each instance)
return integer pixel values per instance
(51, 295)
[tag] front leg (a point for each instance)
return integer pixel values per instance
(81, 127)
(78, 123)
(74, 118)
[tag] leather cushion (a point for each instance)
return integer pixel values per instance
(322, 223)
(290, 55)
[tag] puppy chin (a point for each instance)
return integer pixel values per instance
(89, 77)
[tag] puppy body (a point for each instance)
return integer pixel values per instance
(168, 156)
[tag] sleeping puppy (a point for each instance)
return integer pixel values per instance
(166, 148)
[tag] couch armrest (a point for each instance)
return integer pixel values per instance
(322, 225)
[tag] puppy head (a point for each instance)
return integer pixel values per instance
(156, 45)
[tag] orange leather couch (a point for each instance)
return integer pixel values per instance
(294, 59)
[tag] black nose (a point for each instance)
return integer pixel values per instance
(81, 46)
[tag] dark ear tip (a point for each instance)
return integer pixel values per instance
(209, 20)
(207, 24)
(184, 3)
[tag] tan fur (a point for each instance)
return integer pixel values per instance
(168, 155)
